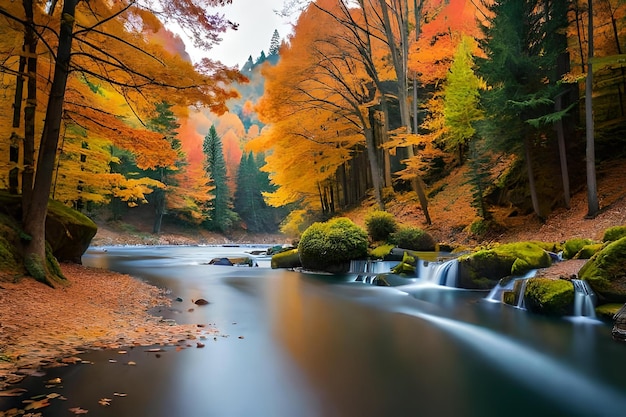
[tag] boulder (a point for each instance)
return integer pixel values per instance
(554, 297)
(484, 268)
(606, 274)
(68, 232)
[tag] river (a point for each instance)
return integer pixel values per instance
(292, 344)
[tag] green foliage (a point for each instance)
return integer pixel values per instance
(572, 246)
(413, 238)
(605, 272)
(286, 259)
(380, 225)
(331, 245)
(549, 296)
(221, 217)
(407, 266)
(249, 202)
(614, 233)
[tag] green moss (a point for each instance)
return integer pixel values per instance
(492, 264)
(572, 246)
(331, 245)
(381, 251)
(614, 233)
(605, 272)
(549, 296)
(587, 251)
(607, 311)
(407, 266)
(286, 259)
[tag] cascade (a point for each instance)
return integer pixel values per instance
(366, 270)
(520, 297)
(439, 273)
(496, 293)
(584, 299)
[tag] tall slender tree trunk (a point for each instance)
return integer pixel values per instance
(593, 206)
(560, 135)
(35, 213)
(372, 156)
(531, 179)
(28, 157)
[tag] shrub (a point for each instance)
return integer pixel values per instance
(330, 246)
(413, 238)
(380, 225)
(614, 233)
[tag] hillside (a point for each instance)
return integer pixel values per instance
(450, 211)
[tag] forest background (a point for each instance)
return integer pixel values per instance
(464, 117)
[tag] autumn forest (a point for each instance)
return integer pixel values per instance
(104, 111)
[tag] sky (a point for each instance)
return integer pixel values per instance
(257, 21)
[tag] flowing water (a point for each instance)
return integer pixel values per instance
(295, 344)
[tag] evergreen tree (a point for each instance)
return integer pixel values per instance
(518, 63)
(220, 215)
(249, 202)
(166, 123)
(274, 44)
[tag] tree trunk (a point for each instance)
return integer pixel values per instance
(531, 180)
(562, 153)
(30, 45)
(593, 206)
(36, 211)
(372, 156)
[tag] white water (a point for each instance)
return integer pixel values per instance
(496, 293)
(439, 272)
(580, 393)
(584, 299)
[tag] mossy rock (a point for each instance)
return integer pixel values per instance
(381, 252)
(607, 311)
(606, 274)
(330, 246)
(68, 232)
(484, 268)
(554, 297)
(286, 259)
(572, 246)
(614, 233)
(407, 266)
(587, 251)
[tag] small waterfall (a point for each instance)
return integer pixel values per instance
(508, 284)
(439, 273)
(520, 295)
(367, 270)
(584, 299)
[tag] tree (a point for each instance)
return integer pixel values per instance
(519, 101)
(221, 217)
(274, 44)
(165, 122)
(96, 27)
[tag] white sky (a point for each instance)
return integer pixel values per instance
(257, 20)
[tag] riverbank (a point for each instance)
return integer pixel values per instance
(44, 327)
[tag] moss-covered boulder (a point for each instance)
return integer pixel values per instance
(330, 246)
(484, 268)
(286, 259)
(606, 273)
(68, 232)
(572, 246)
(587, 251)
(614, 233)
(607, 311)
(554, 297)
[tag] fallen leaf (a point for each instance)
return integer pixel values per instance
(15, 392)
(54, 381)
(120, 394)
(78, 410)
(131, 363)
(104, 401)
(36, 405)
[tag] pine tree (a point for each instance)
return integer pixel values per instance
(220, 215)
(519, 61)
(166, 123)
(274, 44)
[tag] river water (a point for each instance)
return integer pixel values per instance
(304, 345)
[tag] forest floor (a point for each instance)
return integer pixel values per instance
(41, 326)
